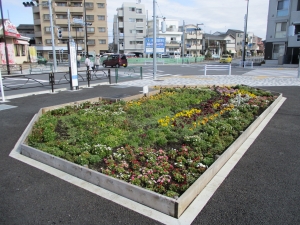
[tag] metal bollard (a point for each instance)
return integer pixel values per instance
(88, 76)
(51, 81)
(141, 72)
(116, 75)
(109, 77)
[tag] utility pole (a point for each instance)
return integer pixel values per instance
(52, 36)
(118, 38)
(85, 31)
(154, 41)
(4, 37)
(245, 35)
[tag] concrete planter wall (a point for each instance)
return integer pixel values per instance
(169, 206)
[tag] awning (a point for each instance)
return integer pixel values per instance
(21, 42)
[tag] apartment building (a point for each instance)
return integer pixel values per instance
(96, 14)
(129, 29)
(283, 32)
(193, 39)
(172, 34)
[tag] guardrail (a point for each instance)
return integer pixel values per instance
(164, 61)
(12, 67)
(58, 78)
(218, 67)
(246, 64)
(128, 73)
(36, 68)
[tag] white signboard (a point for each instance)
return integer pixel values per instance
(76, 20)
(73, 64)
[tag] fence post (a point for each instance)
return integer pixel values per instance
(205, 70)
(51, 80)
(88, 77)
(109, 77)
(141, 72)
(116, 75)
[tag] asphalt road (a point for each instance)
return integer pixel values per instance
(263, 188)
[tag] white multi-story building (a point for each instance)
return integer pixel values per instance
(172, 35)
(129, 28)
(283, 32)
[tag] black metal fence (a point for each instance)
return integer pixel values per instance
(53, 79)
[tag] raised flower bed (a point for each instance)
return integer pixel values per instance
(156, 150)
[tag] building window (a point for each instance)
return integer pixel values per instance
(90, 17)
(48, 41)
(101, 17)
(136, 42)
(139, 11)
(76, 4)
(17, 50)
(23, 50)
(280, 30)
(283, 7)
(46, 17)
(61, 4)
(139, 31)
(90, 29)
(100, 5)
(132, 31)
(132, 20)
(89, 5)
(61, 16)
(101, 29)
(47, 29)
(278, 50)
(45, 4)
(102, 41)
(139, 20)
(131, 9)
(91, 42)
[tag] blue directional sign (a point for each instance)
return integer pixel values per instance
(160, 45)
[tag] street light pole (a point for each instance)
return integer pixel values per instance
(4, 37)
(245, 35)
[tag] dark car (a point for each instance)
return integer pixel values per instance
(116, 60)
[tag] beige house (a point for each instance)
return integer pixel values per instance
(96, 32)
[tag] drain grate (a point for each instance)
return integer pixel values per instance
(4, 106)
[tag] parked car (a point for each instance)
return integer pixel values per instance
(41, 60)
(116, 60)
(225, 59)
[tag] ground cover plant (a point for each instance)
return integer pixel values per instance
(162, 142)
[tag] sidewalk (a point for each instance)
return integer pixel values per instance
(263, 188)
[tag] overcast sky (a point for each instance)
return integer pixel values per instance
(216, 15)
